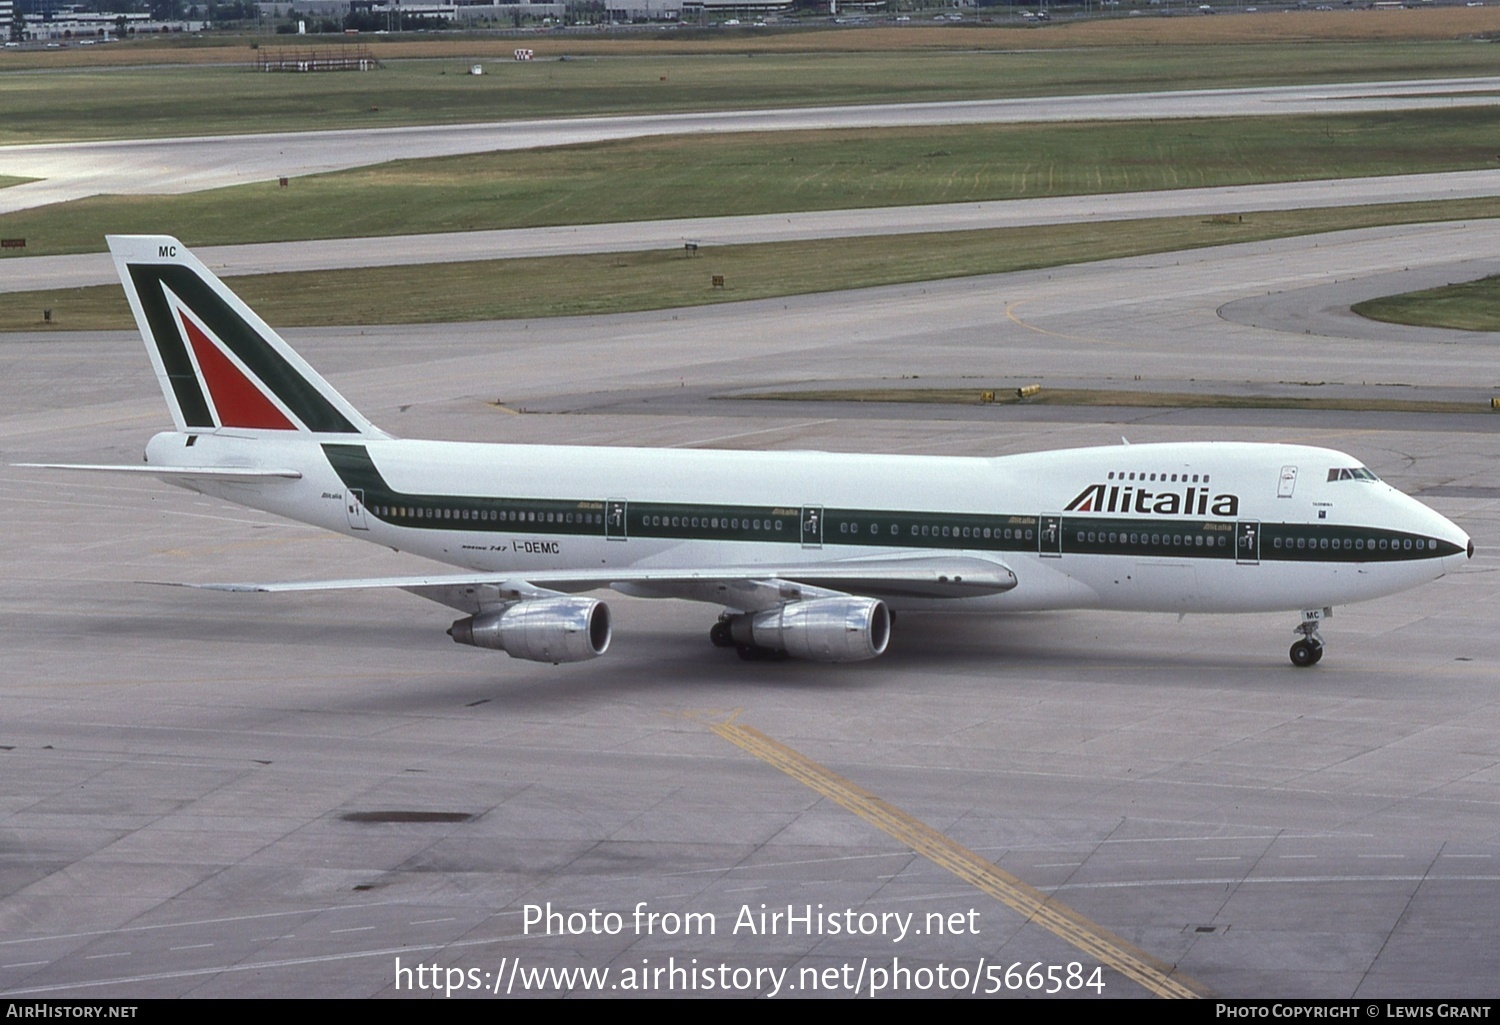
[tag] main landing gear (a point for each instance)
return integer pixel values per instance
(1309, 650)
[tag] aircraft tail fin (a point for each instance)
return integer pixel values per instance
(220, 365)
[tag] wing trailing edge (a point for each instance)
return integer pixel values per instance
(746, 588)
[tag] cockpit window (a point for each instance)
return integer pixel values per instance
(1351, 473)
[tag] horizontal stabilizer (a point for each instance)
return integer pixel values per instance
(227, 473)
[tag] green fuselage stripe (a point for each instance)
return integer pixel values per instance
(814, 526)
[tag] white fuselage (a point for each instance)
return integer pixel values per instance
(1200, 527)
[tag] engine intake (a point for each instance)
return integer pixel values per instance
(541, 629)
(819, 629)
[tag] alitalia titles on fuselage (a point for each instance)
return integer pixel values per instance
(1128, 498)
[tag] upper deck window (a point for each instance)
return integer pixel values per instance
(1351, 473)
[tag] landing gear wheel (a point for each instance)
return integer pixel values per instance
(719, 635)
(1305, 653)
(1308, 651)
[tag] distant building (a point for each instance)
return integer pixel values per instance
(472, 10)
(673, 10)
(397, 9)
(455, 10)
(651, 10)
(317, 8)
(7, 20)
(74, 22)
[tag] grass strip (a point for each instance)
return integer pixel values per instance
(1470, 306)
(754, 173)
(994, 30)
(620, 282)
(53, 104)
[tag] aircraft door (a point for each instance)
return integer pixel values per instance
(354, 508)
(1287, 482)
(812, 526)
(1049, 535)
(615, 511)
(1247, 542)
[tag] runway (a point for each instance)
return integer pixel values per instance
(243, 795)
(171, 166)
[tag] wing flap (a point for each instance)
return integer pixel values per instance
(467, 592)
(752, 589)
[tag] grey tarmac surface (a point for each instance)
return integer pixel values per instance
(191, 777)
(171, 166)
(74, 271)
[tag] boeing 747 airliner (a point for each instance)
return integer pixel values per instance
(808, 554)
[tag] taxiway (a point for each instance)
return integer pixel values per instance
(172, 166)
(246, 795)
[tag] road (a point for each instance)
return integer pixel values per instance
(170, 166)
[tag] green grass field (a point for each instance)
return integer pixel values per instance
(146, 102)
(612, 283)
(700, 176)
(1472, 306)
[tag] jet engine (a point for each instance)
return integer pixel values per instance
(820, 629)
(540, 629)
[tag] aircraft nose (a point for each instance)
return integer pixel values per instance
(1463, 545)
(1443, 529)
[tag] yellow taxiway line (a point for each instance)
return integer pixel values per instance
(1062, 921)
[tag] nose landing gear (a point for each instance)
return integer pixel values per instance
(1306, 653)
(1309, 650)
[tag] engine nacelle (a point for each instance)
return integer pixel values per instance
(541, 629)
(820, 629)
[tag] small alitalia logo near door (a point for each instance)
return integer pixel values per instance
(1114, 498)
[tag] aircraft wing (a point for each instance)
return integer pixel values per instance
(743, 588)
(467, 592)
(752, 589)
